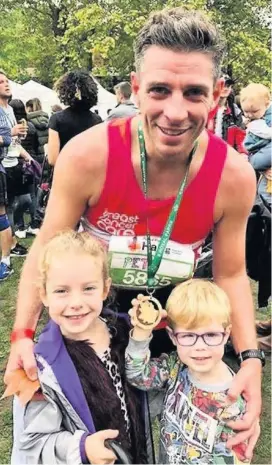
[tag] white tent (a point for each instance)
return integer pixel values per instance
(17, 90)
(106, 100)
(48, 97)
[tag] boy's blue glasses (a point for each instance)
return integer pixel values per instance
(210, 339)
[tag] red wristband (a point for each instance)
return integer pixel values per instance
(18, 334)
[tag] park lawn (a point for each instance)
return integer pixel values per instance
(8, 293)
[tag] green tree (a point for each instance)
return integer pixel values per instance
(56, 35)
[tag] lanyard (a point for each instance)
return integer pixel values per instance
(153, 263)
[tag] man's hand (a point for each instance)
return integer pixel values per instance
(22, 356)
(96, 450)
(19, 130)
(247, 383)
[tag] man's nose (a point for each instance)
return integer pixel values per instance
(176, 108)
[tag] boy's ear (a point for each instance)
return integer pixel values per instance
(43, 296)
(107, 286)
(171, 335)
(227, 333)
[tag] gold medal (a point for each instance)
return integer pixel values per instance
(148, 314)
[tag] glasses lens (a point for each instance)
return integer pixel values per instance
(213, 339)
(186, 339)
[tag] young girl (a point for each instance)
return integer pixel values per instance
(195, 410)
(80, 358)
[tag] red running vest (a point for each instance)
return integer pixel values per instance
(122, 208)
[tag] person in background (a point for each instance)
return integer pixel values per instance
(226, 120)
(78, 91)
(11, 152)
(257, 108)
(26, 201)
(40, 120)
(125, 106)
(56, 108)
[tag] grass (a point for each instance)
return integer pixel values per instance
(8, 294)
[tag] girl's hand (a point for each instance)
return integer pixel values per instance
(96, 450)
(145, 316)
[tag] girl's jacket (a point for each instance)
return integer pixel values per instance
(55, 428)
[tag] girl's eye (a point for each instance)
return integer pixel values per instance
(59, 291)
(89, 288)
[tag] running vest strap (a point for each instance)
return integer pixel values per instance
(122, 208)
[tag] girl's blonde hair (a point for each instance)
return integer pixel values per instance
(71, 241)
(196, 303)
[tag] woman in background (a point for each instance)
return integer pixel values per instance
(40, 119)
(78, 91)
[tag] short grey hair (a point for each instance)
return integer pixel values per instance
(124, 88)
(181, 30)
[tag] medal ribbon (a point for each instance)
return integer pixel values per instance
(153, 263)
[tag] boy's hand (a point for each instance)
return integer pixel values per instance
(96, 450)
(144, 317)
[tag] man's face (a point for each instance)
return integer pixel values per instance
(175, 92)
(226, 90)
(5, 91)
(118, 95)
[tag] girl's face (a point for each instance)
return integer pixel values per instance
(74, 293)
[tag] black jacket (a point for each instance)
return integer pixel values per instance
(40, 120)
(31, 142)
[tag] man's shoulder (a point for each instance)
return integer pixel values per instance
(238, 178)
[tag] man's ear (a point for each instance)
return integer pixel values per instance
(43, 296)
(135, 85)
(217, 92)
(107, 286)
(171, 335)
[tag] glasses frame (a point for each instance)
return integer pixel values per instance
(202, 336)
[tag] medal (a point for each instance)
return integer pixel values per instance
(153, 263)
(148, 313)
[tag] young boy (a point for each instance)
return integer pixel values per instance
(195, 409)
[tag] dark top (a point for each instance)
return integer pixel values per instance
(70, 122)
(31, 142)
(40, 120)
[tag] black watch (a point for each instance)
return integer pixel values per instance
(252, 353)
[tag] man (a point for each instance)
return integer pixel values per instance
(9, 130)
(125, 106)
(226, 120)
(122, 191)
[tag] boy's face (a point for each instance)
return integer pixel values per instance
(254, 108)
(74, 293)
(200, 357)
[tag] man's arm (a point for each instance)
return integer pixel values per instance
(5, 132)
(229, 261)
(229, 271)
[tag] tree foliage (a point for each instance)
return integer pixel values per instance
(54, 36)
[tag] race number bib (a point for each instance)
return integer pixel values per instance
(128, 262)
